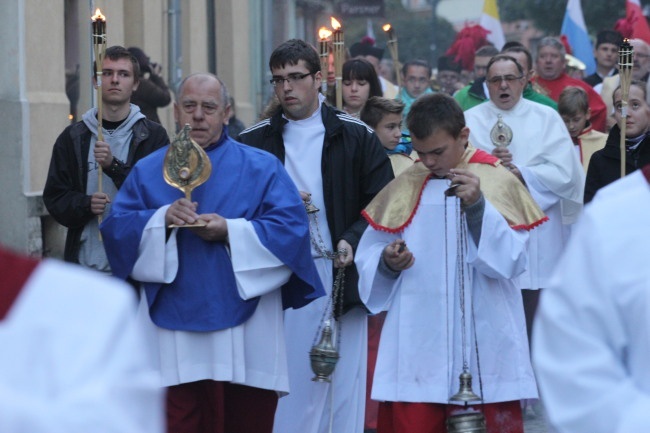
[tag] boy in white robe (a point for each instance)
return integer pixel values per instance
(409, 265)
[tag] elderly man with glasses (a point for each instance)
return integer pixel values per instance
(338, 164)
(532, 141)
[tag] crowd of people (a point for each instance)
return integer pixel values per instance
(433, 232)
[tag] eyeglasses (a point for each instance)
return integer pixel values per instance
(507, 78)
(291, 78)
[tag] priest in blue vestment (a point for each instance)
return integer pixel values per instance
(213, 296)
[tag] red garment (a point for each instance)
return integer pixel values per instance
(14, 272)
(375, 323)
(634, 15)
(598, 107)
(207, 406)
(400, 417)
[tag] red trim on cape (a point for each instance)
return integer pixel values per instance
(379, 227)
(14, 272)
(482, 157)
(529, 227)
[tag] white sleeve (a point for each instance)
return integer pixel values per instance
(75, 358)
(502, 252)
(375, 289)
(544, 197)
(257, 270)
(157, 256)
(582, 336)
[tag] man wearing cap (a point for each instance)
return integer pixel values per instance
(606, 55)
(366, 49)
(448, 76)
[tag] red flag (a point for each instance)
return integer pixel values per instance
(634, 16)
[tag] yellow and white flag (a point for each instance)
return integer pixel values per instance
(490, 21)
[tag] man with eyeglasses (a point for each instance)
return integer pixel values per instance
(72, 194)
(552, 77)
(416, 79)
(476, 93)
(338, 164)
(215, 272)
(541, 154)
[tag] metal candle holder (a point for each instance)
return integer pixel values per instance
(339, 58)
(99, 49)
(392, 47)
(625, 62)
(324, 52)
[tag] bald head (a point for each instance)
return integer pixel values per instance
(205, 77)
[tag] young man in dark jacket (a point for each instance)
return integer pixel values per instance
(338, 164)
(72, 194)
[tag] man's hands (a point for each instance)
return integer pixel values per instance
(103, 154)
(183, 212)
(98, 202)
(215, 231)
(505, 156)
(465, 185)
(397, 256)
(344, 254)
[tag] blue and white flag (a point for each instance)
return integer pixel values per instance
(575, 30)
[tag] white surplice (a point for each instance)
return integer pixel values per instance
(543, 151)
(591, 341)
(421, 348)
(252, 353)
(73, 359)
(311, 406)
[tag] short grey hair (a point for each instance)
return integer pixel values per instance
(225, 95)
(551, 41)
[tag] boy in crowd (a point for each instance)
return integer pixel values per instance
(385, 117)
(573, 106)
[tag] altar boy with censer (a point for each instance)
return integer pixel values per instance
(445, 239)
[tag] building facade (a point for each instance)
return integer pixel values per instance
(45, 79)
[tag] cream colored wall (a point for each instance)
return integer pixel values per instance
(34, 106)
(48, 105)
(233, 60)
(145, 26)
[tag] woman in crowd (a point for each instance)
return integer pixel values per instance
(605, 164)
(360, 82)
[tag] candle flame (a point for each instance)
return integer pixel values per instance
(98, 16)
(386, 27)
(324, 33)
(335, 24)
